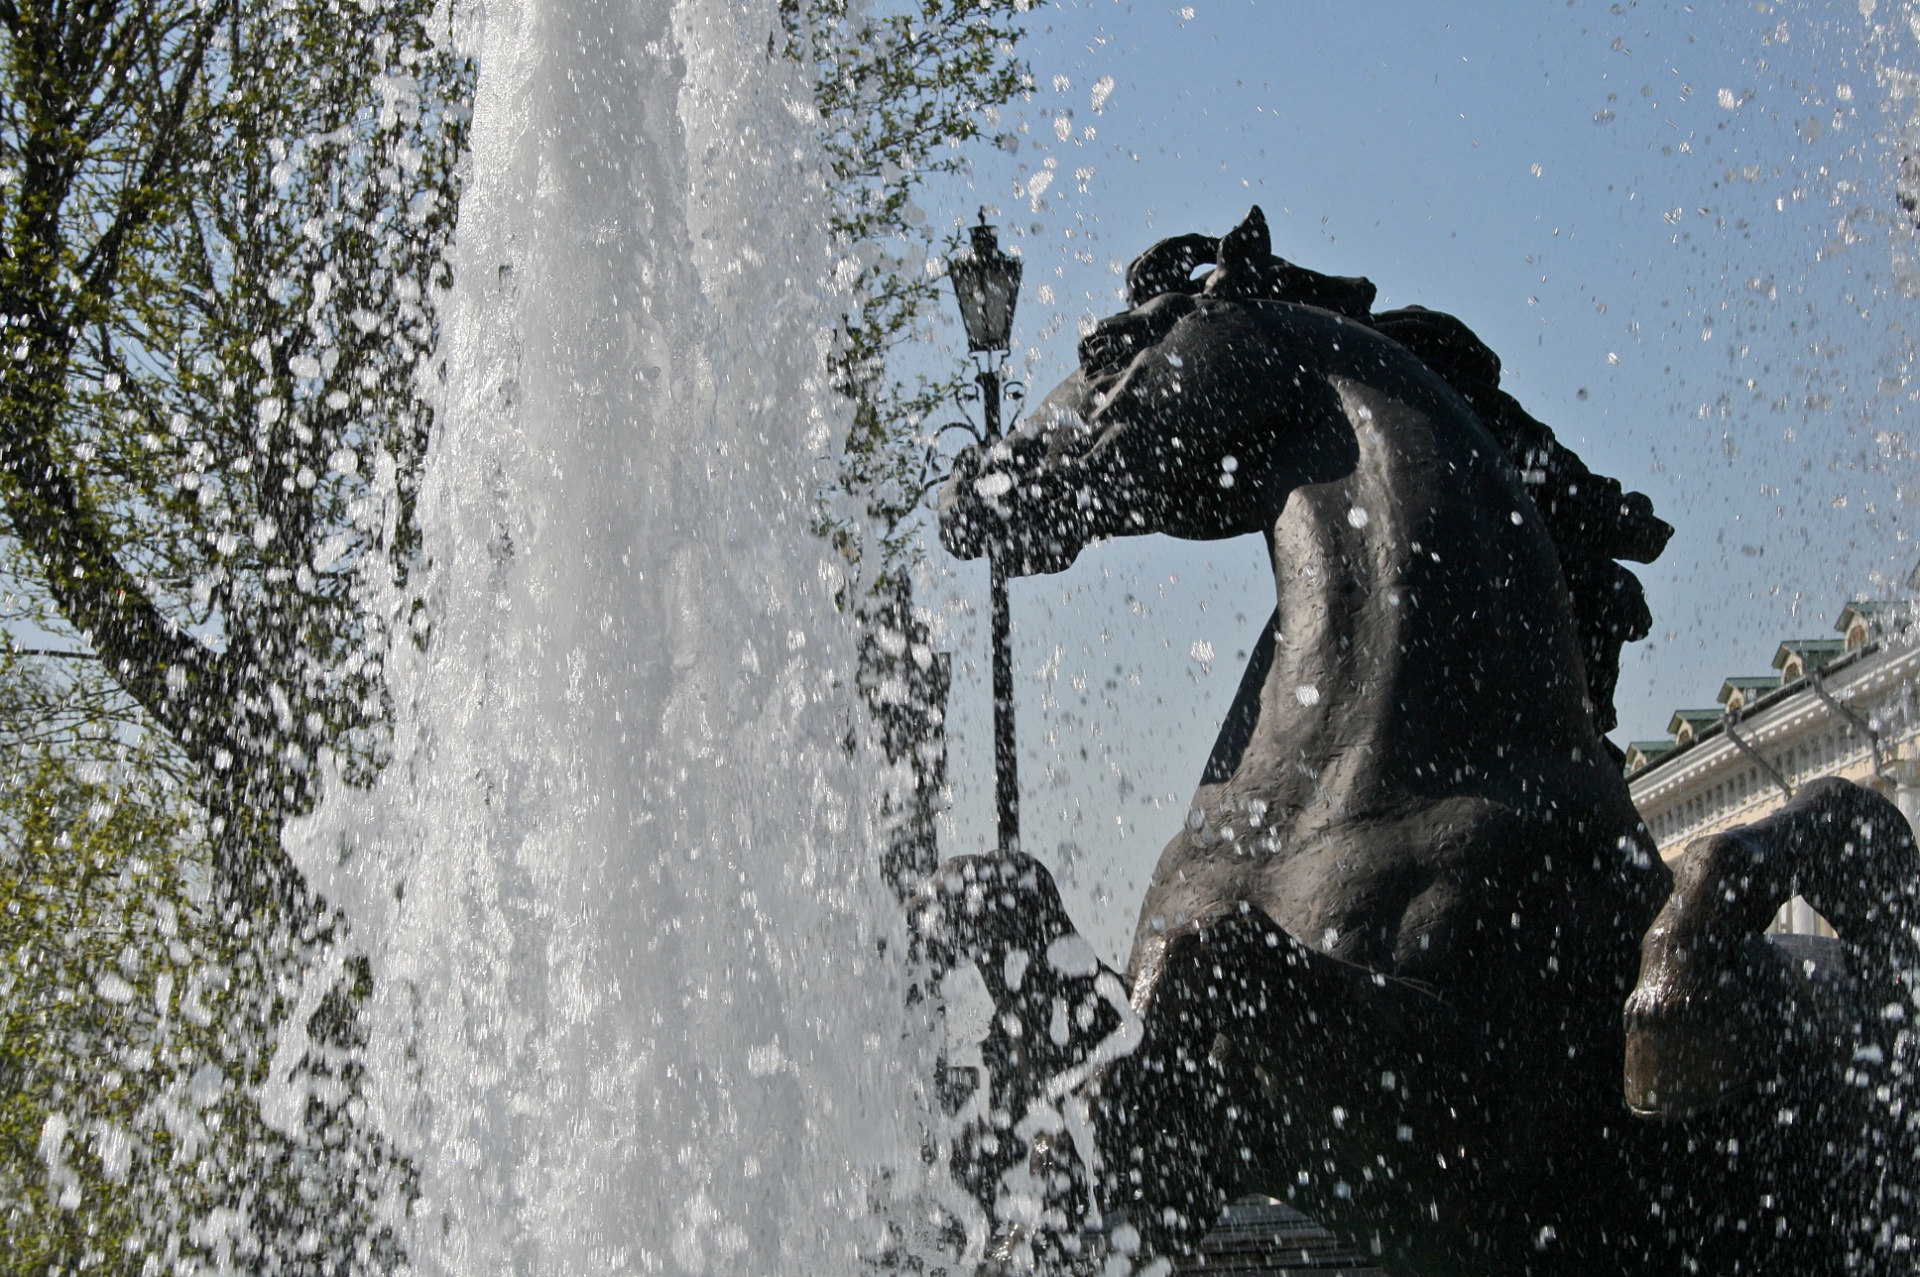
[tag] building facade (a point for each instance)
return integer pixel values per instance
(1834, 706)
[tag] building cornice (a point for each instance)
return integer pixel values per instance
(1850, 715)
(1779, 719)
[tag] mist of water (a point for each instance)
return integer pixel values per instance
(636, 1009)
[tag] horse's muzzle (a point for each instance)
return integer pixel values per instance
(989, 510)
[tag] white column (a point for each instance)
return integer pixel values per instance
(1906, 789)
(1804, 921)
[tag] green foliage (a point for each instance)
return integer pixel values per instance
(98, 932)
(254, 399)
(136, 1038)
(226, 226)
(222, 230)
(904, 90)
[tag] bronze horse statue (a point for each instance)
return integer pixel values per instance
(1382, 970)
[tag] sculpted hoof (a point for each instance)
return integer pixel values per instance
(1721, 1010)
(1708, 1030)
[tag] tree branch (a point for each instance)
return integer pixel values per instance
(99, 269)
(50, 517)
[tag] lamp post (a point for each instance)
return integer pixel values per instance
(986, 283)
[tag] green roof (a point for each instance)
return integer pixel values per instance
(1642, 754)
(1695, 718)
(1874, 612)
(1747, 683)
(1816, 653)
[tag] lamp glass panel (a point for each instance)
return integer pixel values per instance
(986, 284)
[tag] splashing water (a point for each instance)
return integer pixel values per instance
(633, 1009)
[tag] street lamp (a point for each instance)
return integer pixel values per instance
(986, 283)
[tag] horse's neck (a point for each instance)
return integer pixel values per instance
(1411, 608)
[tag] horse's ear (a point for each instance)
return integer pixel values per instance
(1248, 246)
(1168, 267)
(1247, 267)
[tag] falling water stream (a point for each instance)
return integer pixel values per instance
(635, 1008)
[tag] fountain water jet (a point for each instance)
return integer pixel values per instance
(634, 1007)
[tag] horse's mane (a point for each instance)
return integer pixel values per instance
(1593, 522)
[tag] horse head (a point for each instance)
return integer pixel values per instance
(1212, 370)
(1170, 424)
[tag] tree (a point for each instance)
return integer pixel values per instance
(224, 226)
(83, 1055)
(902, 90)
(222, 230)
(125, 1130)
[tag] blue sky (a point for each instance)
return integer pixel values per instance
(1675, 223)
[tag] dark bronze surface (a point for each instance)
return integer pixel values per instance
(1380, 972)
